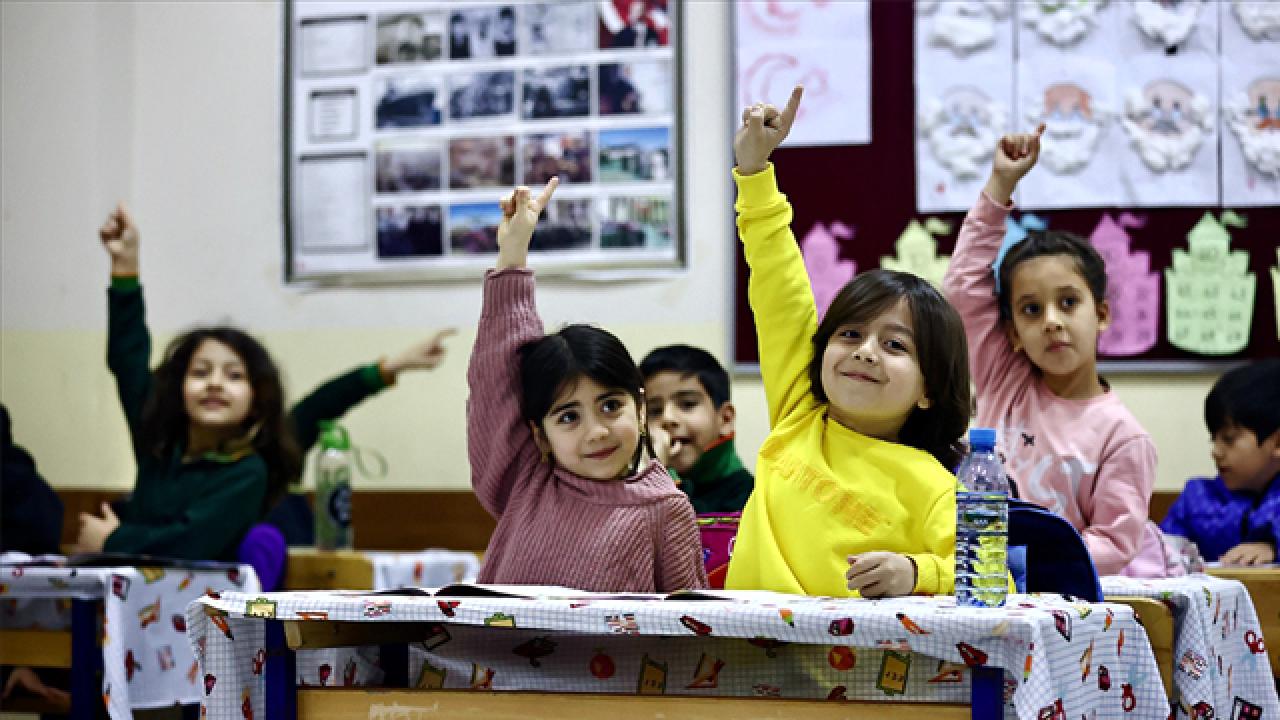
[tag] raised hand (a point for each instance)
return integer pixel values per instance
(120, 237)
(1015, 156)
(520, 213)
(423, 355)
(764, 127)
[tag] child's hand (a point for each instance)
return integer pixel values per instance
(1015, 156)
(94, 530)
(663, 447)
(764, 128)
(424, 355)
(1257, 553)
(26, 679)
(881, 574)
(120, 237)
(519, 216)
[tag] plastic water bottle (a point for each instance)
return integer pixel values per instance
(333, 489)
(982, 524)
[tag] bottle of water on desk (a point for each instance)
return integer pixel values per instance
(982, 524)
(333, 489)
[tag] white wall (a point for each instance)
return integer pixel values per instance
(175, 108)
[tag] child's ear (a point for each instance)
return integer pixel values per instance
(1012, 333)
(540, 439)
(1104, 316)
(1274, 442)
(725, 418)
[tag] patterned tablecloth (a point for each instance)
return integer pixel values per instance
(1221, 664)
(428, 568)
(147, 659)
(1061, 659)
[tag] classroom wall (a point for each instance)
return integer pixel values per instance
(175, 108)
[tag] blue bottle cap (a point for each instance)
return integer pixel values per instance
(981, 438)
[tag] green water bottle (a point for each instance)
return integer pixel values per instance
(333, 489)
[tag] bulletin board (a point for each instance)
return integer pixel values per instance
(406, 122)
(865, 197)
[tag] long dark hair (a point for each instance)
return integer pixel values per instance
(551, 365)
(941, 351)
(165, 421)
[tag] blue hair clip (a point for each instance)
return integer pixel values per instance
(1015, 231)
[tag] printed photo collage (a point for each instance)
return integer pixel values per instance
(453, 104)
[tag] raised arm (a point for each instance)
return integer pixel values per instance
(128, 341)
(499, 442)
(778, 289)
(969, 283)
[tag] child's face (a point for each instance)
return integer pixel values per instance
(1055, 320)
(871, 374)
(592, 430)
(680, 405)
(216, 391)
(1243, 462)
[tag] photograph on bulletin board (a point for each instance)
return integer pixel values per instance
(1165, 163)
(406, 123)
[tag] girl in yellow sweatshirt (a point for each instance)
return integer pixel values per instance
(853, 495)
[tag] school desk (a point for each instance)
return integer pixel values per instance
(585, 656)
(1219, 659)
(144, 657)
(311, 569)
(1263, 584)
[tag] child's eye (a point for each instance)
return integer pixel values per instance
(689, 405)
(1070, 302)
(850, 333)
(655, 411)
(610, 405)
(897, 345)
(567, 418)
(1031, 309)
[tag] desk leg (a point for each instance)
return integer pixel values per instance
(281, 675)
(395, 665)
(86, 660)
(986, 694)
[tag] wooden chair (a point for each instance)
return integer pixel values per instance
(1157, 619)
(1263, 584)
(311, 569)
(77, 650)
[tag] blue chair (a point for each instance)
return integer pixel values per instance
(1055, 557)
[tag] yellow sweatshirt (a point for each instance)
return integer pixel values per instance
(823, 492)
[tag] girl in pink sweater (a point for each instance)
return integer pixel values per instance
(1065, 438)
(558, 445)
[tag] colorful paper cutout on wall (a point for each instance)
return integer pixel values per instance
(1168, 23)
(962, 25)
(828, 272)
(1275, 289)
(961, 128)
(1167, 123)
(1210, 291)
(1254, 117)
(1061, 23)
(1015, 231)
(1133, 290)
(918, 251)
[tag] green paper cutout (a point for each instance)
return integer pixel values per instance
(1210, 291)
(918, 252)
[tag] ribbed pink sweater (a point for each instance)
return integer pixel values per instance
(555, 527)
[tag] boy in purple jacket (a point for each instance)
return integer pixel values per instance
(1234, 518)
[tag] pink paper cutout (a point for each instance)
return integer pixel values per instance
(828, 272)
(1133, 291)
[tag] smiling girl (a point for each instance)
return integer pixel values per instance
(558, 445)
(209, 430)
(852, 489)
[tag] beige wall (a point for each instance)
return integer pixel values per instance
(175, 108)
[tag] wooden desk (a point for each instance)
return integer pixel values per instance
(1263, 584)
(311, 569)
(1157, 619)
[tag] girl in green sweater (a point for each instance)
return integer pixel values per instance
(209, 428)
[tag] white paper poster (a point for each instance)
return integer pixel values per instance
(964, 98)
(1082, 143)
(1251, 105)
(1187, 26)
(1170, 120)
(826, 46)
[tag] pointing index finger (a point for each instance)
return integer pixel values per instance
(547, 192)
(793, 105)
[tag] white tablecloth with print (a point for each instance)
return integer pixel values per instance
(1220, 660)
(147, 659)
(1061, 659)
(428, 568)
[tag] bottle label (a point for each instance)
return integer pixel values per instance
(340, 505)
